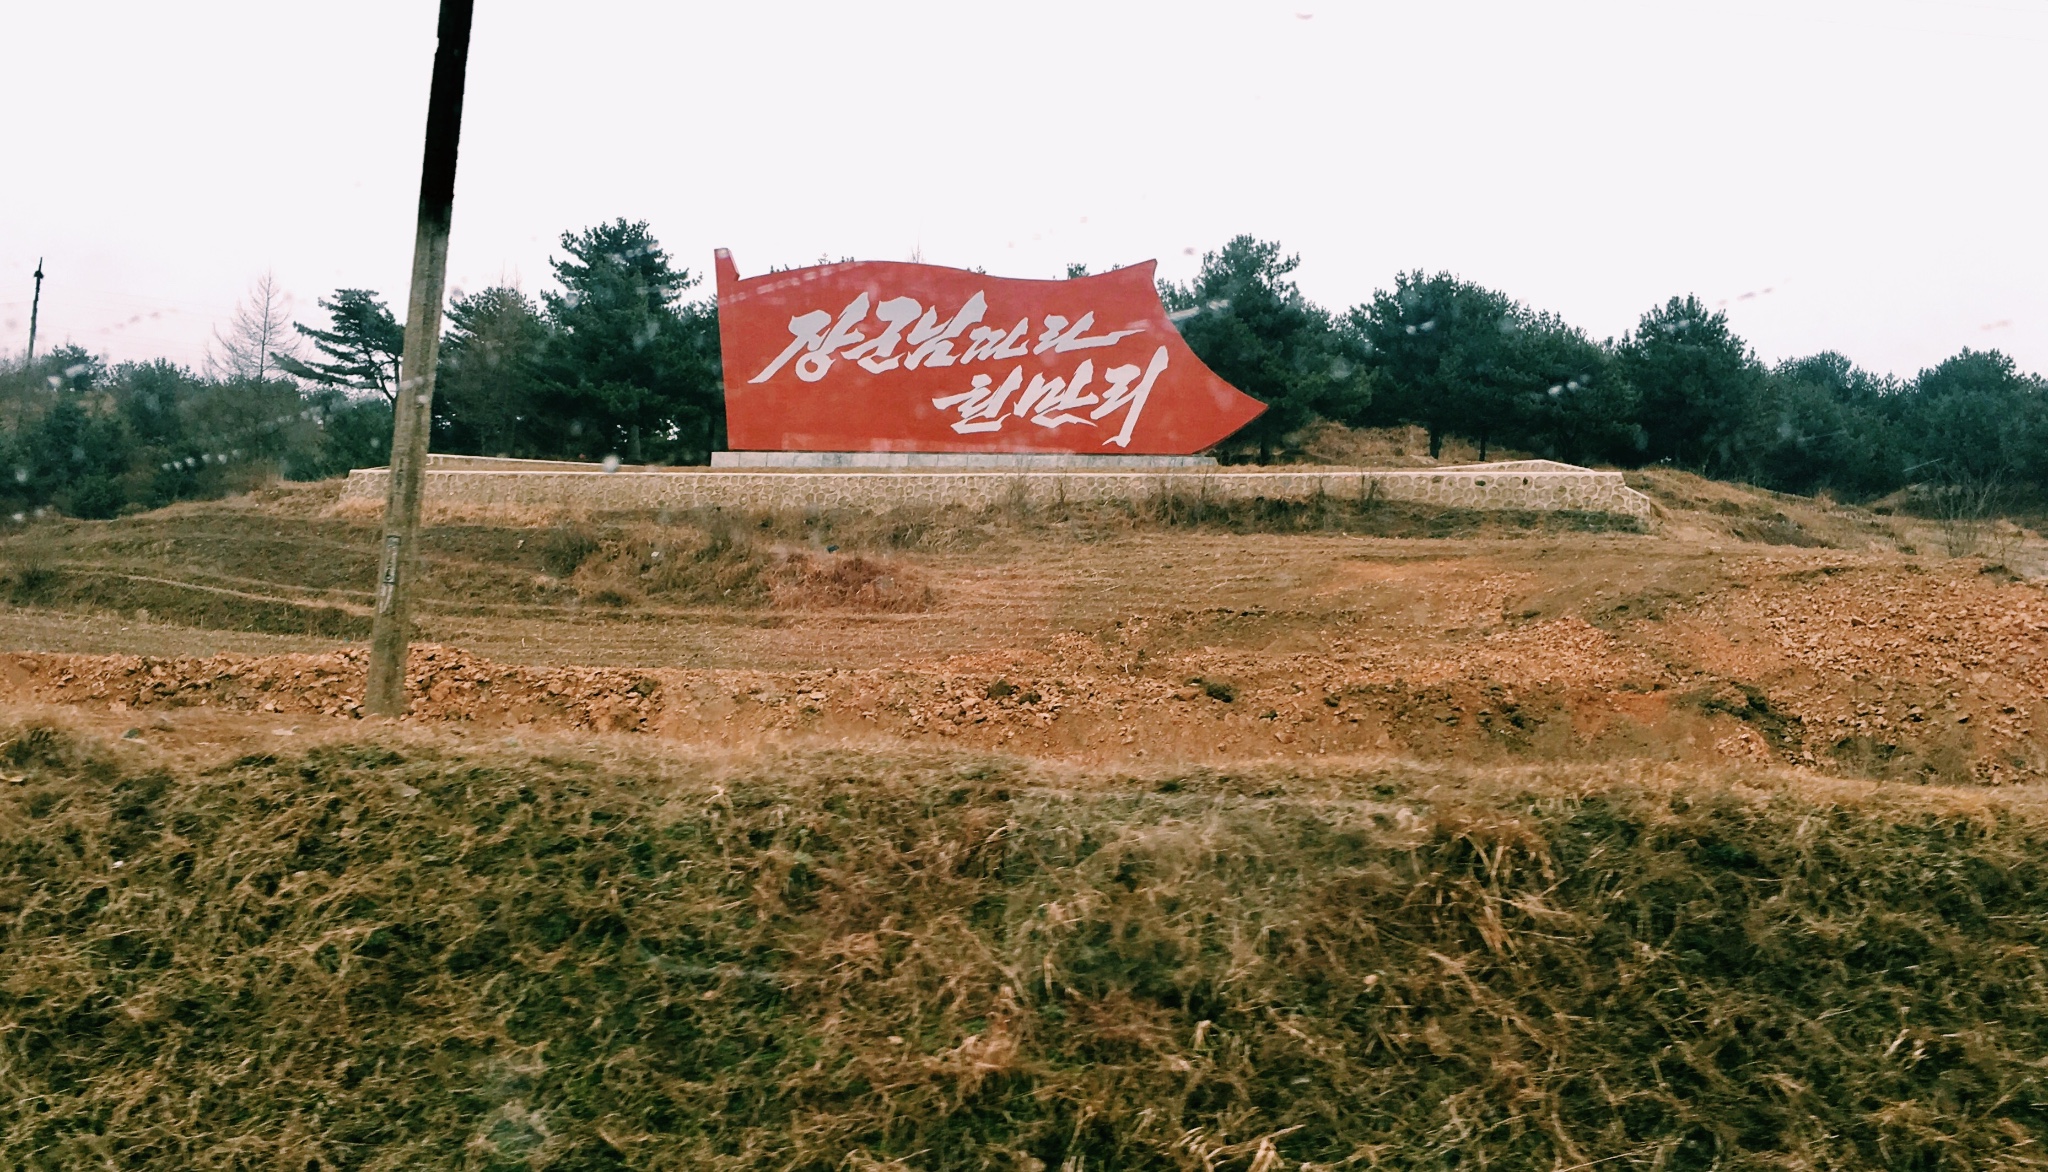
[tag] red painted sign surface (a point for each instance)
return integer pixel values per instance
(878, 356)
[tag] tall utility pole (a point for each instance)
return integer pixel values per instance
(411, 416)
(34, 307)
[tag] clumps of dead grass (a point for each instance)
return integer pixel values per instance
(1761, 516)
(1356, 513)
(807, 581)
(298, 499)
(29, 574)
(56, 566)
(395, 954)
(720, 561)
(1016, 519)
(364, 510)
(1325, 442)
(917, 529)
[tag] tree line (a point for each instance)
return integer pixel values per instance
(619, 359)
(92, 440)
(614, 361)
(1458, 359)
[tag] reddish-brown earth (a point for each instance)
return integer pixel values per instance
(1852, 652)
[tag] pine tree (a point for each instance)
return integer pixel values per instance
(1698, 385)
(630, 368)
(1246, 321)
(363, 346)
(484, 401)
(1443, 349)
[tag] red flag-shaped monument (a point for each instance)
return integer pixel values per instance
(879, 356)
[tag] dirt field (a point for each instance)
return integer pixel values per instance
(1171, 838)
(1742, 625)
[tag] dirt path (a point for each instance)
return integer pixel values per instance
(1808, 658)
(1688, 642)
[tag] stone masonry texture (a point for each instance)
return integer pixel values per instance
(1532, 485)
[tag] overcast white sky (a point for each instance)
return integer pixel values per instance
(1877, 165)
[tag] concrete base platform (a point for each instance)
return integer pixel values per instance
(977, 461)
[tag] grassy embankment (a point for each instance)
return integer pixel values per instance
(292, 562)
(413, 952)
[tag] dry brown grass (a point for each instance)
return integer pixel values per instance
(1384, 447)
(725, 561)
(394, 950)
(806, 581)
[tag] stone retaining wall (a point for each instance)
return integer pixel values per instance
(961, 461)
(1536, 485)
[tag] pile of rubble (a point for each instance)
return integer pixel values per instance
(445, 683)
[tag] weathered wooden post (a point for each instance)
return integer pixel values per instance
(411, 416)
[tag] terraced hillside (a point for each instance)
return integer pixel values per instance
(1178, 837)
(1739, 625)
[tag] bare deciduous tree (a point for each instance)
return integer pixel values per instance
(259, 335)
(1966, 507)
